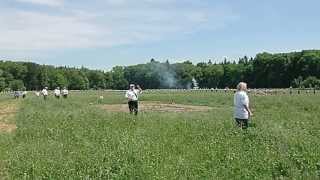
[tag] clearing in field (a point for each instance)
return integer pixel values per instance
(7, 127)
(154, 106)
(7, 112)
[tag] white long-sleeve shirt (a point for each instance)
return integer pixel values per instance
(133, 95)
(65, 92)
(241, 100)
(44, 92)
(57, 92)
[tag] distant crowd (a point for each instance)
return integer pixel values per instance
(64, 92)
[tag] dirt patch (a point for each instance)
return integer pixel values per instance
(157, 107)
(8, 128)
(7, 112)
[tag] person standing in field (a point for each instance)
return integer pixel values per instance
(242, 111)
(44, 92)
(16, 94)
(24, 94)
(57, 93)
(133, 95)
(65, 93)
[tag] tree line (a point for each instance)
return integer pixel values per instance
(265, 70)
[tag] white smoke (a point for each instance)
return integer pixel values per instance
(167, 76)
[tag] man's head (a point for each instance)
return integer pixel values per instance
(242, 86)
(132, 86)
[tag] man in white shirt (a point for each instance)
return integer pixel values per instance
(133, 95)
(44, 92)
(24, 94)
(57, 93)
(65, 92)
(242, 111)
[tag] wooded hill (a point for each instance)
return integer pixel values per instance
(282, 70)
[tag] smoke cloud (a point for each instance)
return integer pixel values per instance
(167, 76)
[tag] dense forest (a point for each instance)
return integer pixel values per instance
(296, 69)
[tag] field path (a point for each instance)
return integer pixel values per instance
(8, 110)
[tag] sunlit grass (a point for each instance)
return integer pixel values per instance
(73, 139)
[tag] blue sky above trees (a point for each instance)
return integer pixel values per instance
(104, 33)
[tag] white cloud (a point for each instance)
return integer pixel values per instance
(123, 23)
(31, 30)
(54, 3)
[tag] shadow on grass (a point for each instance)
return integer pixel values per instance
(252, 125)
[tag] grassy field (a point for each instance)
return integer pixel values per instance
(76, 139)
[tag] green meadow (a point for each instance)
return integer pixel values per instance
(75, 138)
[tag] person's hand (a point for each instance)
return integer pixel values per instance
(250, 113)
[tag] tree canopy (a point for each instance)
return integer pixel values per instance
(266, 70)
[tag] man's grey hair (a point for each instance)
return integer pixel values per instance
(242, 86)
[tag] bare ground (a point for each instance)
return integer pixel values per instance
(7, 127)
(152, 106)
(7, 112)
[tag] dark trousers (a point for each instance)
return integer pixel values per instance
(133, 107)
(65, 96)
(243, 123)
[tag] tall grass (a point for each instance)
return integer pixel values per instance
(75, 139)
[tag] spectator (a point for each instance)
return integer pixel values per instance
(242, 112)
(57, 93)
(44, 92)
(65, 92)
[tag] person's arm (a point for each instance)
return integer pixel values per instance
(246, 105)
(249, 110)
(139, 89)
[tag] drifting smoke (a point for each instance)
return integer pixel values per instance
(167, 76)
(168, 79)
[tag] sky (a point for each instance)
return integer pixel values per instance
(101, 34)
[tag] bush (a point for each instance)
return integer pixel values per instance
(311, 82)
